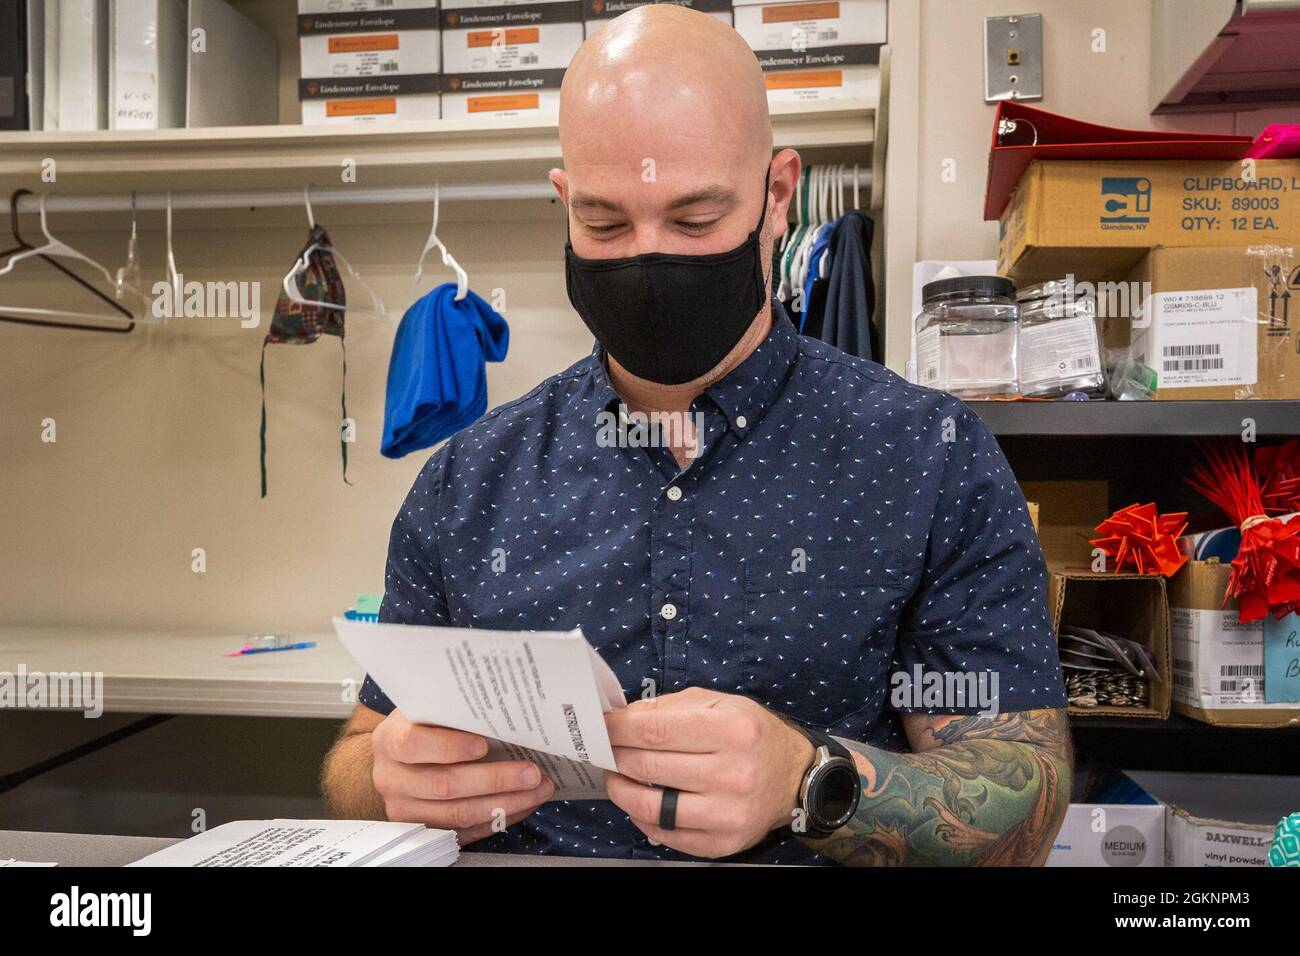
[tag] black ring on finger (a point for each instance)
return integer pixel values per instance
(668, 809)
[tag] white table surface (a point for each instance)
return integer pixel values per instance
(84, 849)
(178, 673)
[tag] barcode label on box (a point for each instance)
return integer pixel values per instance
(1192, 358)
(1206, 337)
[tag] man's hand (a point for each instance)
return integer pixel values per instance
(738, 767)
(435, 776)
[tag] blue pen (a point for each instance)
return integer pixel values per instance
(302, 645)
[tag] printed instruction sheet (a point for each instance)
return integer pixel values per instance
(536, 695)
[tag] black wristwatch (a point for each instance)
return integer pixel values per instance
(831, 789)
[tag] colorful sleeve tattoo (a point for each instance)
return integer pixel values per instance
(975, 791)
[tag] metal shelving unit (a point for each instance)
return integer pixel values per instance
(1180, 743)
(1138, 419)
(1143, 449)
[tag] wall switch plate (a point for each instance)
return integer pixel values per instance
(1013, 57)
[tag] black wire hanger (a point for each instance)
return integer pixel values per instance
(24, 246)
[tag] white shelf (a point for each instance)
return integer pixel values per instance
(178, 673)
(452, 151)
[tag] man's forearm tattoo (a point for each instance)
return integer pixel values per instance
(990, 792)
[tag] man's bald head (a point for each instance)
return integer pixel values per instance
(662, 70)
(666, 138)
(667, 144)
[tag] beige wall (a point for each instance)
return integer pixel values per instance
(956, 123)
(157, 433)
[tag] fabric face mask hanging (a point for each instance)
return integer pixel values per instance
(301, 324)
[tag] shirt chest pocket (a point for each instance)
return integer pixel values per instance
(819, 631)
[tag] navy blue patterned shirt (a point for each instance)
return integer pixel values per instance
(839, 526)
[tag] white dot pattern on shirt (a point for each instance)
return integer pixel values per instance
(918, 551)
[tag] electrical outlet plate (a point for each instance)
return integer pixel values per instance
(1013, 57)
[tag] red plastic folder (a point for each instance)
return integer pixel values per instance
(1022, 134)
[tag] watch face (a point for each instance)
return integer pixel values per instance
(833, 795)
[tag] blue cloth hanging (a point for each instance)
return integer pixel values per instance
(437, 376)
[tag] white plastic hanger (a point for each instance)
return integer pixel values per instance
(54, 247)
(807, 219)
(837, 213)
(462, 277)
(173, 274)
(817, 196)
(58, 248)
(791, 236)
(303, 262)
(132, 267)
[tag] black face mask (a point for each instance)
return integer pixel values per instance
(670, 318)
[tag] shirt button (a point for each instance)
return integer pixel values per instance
(674, 493)
(741, 421)
(668, 611)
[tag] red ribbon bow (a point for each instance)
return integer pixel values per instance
(1140, 537)
(1265, 576)
(1279, 472)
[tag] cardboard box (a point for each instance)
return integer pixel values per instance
(1129, 605)
(534, 93)
(537, 36)
(835, 73)
(1066, 516)
(1220, 819)
(367, 100)
(596, 13)
(815, 51)
(345, 6)
(379, 43)
(507, 59)
(1218, 663)
(810, 25)
(1114, 834)
(1118, 210)
(1219, 322)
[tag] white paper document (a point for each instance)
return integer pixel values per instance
(536, 695)
(336, 843)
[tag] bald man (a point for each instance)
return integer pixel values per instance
(819, 581)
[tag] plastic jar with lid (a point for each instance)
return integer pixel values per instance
(1060, 341)
(966, 337)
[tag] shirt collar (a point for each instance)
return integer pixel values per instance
(747, 391)
(744, 393)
